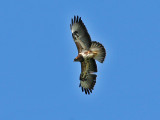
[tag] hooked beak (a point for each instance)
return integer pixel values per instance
(75, 60)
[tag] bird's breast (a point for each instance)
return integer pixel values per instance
(87, 54)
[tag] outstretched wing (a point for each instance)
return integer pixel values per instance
(87, 79)
(89, 66)
(88, 85)
(80, 34)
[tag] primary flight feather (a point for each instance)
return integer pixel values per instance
(88, 52)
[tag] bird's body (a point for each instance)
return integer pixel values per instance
(88, 52)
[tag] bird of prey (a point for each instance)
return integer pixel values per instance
(88, 52)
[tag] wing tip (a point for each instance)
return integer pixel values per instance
(75, 19)
(88, 91)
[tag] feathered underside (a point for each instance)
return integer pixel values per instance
(88, 52)
(80, 34)
(99, 50)
(87, 78)
(88, 85)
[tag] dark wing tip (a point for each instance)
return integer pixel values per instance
(72, 21)
(75, 19)
(70, 26)
(89, 90)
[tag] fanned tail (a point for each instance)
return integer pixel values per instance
(98, 51)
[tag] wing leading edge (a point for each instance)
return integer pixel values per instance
(80, 34)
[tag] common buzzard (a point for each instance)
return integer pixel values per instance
(88, 52)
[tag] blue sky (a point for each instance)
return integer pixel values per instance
(39, 80)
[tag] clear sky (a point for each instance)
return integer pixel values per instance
(40, 81)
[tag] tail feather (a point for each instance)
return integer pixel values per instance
(99, 51)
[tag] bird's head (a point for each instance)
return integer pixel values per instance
(79, 58)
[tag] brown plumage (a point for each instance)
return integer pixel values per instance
(88, 52)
